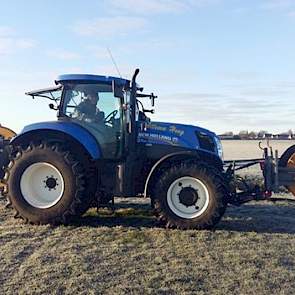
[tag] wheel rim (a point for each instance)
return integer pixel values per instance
(180, 201)
(42, 185)
(291, 164)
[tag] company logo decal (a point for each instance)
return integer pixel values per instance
(171, 128)
(157, 138)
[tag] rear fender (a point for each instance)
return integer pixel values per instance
(64, 131)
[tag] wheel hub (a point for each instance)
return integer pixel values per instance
(188, 196)
(42, 185)
(51, 182)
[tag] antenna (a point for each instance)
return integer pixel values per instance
(114, 62)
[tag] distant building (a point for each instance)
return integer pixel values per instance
(244, 134)
(226, 137)
(261, 134)
(283, 136)
(268, 135)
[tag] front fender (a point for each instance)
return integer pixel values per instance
(75, 131)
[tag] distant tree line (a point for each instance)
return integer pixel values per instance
(262, 134)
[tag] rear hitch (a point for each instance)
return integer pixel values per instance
(247, 196)
(274, 176)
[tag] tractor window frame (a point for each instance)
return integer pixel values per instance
(65, 88)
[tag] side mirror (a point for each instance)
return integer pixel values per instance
(117, 90)
(52, 106)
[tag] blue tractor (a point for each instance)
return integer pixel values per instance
(102, 145)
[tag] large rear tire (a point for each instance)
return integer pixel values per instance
(45, 184)
(190, 196)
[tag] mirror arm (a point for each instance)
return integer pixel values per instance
(149, 111)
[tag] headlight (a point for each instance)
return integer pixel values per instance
(218, 147)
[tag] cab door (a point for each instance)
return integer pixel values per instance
(102, 116)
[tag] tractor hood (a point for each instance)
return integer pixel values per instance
(185, 136)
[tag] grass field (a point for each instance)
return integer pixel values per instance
(247, 149)
(250, 252)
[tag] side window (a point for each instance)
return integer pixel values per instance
(92, 103)
(109, 105)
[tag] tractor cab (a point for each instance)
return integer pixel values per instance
(91, 102)
(86, 98)
(107, 107)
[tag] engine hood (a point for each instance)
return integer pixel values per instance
(181, 135)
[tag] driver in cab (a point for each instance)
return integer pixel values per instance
(87, 110)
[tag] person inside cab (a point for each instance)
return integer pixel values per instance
(88, 110)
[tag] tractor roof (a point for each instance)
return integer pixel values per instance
(90, 78)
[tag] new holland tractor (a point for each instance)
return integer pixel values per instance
(103, 144)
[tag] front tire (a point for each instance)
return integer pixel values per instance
(45, 184)
(190, 196)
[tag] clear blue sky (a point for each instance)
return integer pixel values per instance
(220, 64)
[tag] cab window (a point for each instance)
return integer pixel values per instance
(92, 103)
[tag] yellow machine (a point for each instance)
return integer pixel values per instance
(5, 135)
(287, 160)
(291, 164)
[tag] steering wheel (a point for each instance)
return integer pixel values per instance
(110, 117)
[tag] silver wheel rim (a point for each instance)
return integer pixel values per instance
(42, 185)
(188, 212)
